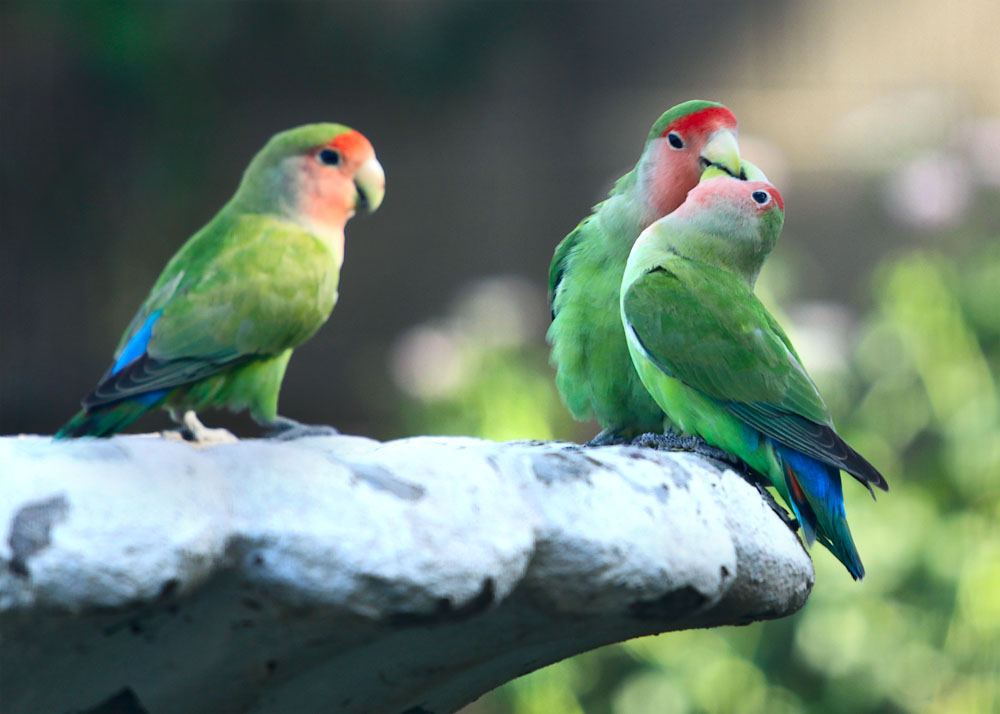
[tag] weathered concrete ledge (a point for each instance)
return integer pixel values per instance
(340, 574)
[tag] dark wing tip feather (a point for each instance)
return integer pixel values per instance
(854, 463)
(125, 383)
(817, 440)
(147, 374)
(858, 466)
(839, 453)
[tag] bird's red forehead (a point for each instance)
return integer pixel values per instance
(778, 198)
(707, 118)
(351, 143)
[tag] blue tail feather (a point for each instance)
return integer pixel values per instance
(108, 419)
(817, 498)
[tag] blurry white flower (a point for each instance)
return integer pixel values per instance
(821, 333)
(426, 362)
(501, 311)
(930, 191)
(434, 359)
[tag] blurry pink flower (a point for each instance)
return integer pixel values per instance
(930, 191)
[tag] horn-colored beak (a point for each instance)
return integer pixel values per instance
(722, 151)
(370, 182)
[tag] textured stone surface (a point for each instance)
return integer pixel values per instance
(330, 574)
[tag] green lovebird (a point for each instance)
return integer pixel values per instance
(594, 373)
(719, 364)
(220, 324)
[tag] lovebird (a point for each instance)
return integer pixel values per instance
(220, 323)
(721, 367)
(593, 371)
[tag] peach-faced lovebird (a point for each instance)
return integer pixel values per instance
(594, 373)
(719, 364)
(258, 280)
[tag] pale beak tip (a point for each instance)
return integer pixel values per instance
(370, 182)
(723, 151)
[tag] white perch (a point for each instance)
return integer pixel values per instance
(341, 574)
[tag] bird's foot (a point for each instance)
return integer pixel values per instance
(675, 442)
(608, 437)
(191, 429)
(285, 429)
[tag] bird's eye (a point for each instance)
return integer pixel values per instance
(675, 140)
(328, 157)
(761, 197)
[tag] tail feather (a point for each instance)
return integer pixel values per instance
(105, 421)
(817, 498)
(803, 511)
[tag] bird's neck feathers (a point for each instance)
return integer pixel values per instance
(654, 188)
(647, 253)
(630, 208)
(295, 191)
(731, 243)
(621, 218)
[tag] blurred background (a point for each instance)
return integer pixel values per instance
(125, 126)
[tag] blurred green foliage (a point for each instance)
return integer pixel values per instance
(482, 370)
(509, 399)
(918, 395)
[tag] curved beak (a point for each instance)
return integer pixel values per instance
(752, 172)
(722, 151)
(369, 180)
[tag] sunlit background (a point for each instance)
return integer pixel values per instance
(124, 126)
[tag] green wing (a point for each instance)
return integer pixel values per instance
(706, 328)
(560, 258)
(262, 288)
(557, 269)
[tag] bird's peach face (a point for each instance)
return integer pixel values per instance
(742, 200)
(684, 150)
(338, 178)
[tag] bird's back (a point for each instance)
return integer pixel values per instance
(594, 372)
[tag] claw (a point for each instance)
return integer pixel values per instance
(697, 445)
(285, 429)
(784, 515)
(675, 442)
(191, 429)
(608, 437)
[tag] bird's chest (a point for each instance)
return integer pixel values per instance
(326, 290)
